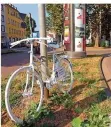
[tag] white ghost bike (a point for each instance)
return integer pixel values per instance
(25, 86)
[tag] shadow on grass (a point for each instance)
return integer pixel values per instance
(61, 118)
(93, 99)
(77, 90)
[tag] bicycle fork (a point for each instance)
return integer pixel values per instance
(31, 69)
(29, 87)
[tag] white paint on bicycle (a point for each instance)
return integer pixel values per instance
(26, 94)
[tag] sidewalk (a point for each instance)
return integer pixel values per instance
(106, 65)
(89, 50)
(97, 51)
(97, 48)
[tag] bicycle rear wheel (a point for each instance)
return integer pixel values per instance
(18, 96)
(65, 77)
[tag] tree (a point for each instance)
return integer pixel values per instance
(55, 20)
(98, 18)
(33, 23)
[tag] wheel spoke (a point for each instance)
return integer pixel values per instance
(65, 83)
(18, 103)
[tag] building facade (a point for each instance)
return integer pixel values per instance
(13, 23)
(4, 40)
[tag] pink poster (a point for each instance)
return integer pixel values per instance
(66, 24)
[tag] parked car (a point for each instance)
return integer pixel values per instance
(27, 44)
(54, 44)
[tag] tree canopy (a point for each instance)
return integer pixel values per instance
(54, 20)
(33, 23)
(98, 21)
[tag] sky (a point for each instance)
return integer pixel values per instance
(29, 8)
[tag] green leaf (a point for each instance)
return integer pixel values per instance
(76, 122)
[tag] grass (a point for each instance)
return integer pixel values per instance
(88, 93)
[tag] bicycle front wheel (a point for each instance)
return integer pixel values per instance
(65, 78)
(24, 92)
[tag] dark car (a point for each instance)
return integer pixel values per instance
(36, 47)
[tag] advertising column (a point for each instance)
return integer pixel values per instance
(80, 28)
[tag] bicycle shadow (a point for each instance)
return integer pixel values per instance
(93, 99)
(61, 118)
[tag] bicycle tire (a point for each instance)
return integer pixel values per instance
(9, 103)
(69, 83)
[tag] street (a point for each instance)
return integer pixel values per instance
(12, 61)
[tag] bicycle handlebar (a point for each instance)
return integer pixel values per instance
(30, 39)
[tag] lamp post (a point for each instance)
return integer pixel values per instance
(31, 33)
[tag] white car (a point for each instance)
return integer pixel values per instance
(53, 44)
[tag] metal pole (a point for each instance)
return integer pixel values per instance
(31, 33)
(43, 48)
(72, 26)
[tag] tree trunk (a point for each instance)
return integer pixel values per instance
(96, 40)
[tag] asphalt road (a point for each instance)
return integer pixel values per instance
(11, 62)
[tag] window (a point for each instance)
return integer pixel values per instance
(9, 30)
(8, 21)
(8, 11)
(14, 13)
(2, 28)
(2, 18)
(2, 7)
(11, 12)
(12, 31)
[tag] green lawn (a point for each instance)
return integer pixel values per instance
(88, 101)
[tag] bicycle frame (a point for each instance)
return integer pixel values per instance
(56, 59)
(32, 64)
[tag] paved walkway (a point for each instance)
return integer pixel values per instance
(97, 51)
(106, 65)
